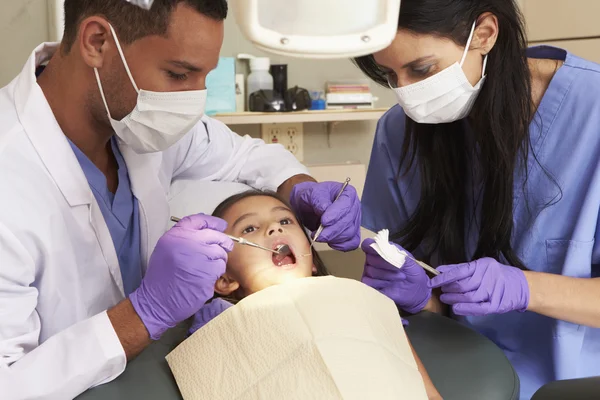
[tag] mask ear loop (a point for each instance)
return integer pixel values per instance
(102, 92)
(464, 57)
(462, 61)
(485, 60)
(123, 58)
(395, 86)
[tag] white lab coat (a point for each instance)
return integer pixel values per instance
(59, 270)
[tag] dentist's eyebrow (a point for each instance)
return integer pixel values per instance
(417, 61)
(186, 65)
(241, 218)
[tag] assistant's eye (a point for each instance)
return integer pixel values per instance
(286, 221)
(421, 71)
(178, 77)
(249, 229)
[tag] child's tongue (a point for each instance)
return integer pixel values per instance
(281, 261)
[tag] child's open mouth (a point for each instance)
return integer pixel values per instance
(285, 259)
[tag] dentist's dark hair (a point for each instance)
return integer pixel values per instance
(130, 21)
(497, 132)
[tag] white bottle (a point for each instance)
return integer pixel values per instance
(259, 78)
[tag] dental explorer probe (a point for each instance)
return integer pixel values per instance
(281, 250)
(426, 267)
(318, 232)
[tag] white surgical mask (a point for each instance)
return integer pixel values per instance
(159, 119)
(444, 97)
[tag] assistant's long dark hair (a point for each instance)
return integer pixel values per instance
(445, 155)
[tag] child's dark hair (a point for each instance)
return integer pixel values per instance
(222, 208)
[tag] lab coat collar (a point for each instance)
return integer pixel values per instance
(144, 170)
(45, 134)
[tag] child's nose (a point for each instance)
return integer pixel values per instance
(278, 229)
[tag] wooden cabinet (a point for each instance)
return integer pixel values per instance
(569, 24)
(549, 20)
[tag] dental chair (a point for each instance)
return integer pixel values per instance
(462, 363)
(572, 389)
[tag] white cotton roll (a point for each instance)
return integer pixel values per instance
(388, 251)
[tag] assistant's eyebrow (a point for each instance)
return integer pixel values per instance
(186, 65)
(417, 61)
(241, 218)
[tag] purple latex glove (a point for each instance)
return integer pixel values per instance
(482, 287)
(208, 312)
(182, 272)
(407, 286)
(314, 202)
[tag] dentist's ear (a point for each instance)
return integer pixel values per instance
(226, 285)
(93, 40)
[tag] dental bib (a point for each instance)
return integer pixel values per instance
(312, 338)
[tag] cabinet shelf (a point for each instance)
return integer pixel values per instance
(300, 116)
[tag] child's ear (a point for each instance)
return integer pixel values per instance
(314, 269)
(226, 285)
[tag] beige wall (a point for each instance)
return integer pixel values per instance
(350, 141)
(23, 25)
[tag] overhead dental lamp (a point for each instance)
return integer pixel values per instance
(142, 3)
(318, 28)
(301, 28)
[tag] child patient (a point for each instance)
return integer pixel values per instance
(265, 219)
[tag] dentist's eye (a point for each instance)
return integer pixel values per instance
(249, 229)
(178, 77)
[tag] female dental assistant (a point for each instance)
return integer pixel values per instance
(488, 169)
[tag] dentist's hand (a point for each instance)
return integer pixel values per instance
(482, 287)
(182, 272)
(314, 202)
(407, 286)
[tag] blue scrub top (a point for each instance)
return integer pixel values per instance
(121, 213)
(559, 239)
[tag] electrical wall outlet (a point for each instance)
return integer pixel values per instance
(290, 136)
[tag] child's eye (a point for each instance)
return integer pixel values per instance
(249, 229)
(286, 221)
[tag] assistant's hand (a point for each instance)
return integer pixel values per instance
(407, 286)
(208, 312)
(482, 287)
(182, 272)
(314, 202)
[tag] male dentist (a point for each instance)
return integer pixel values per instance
(93, 132)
